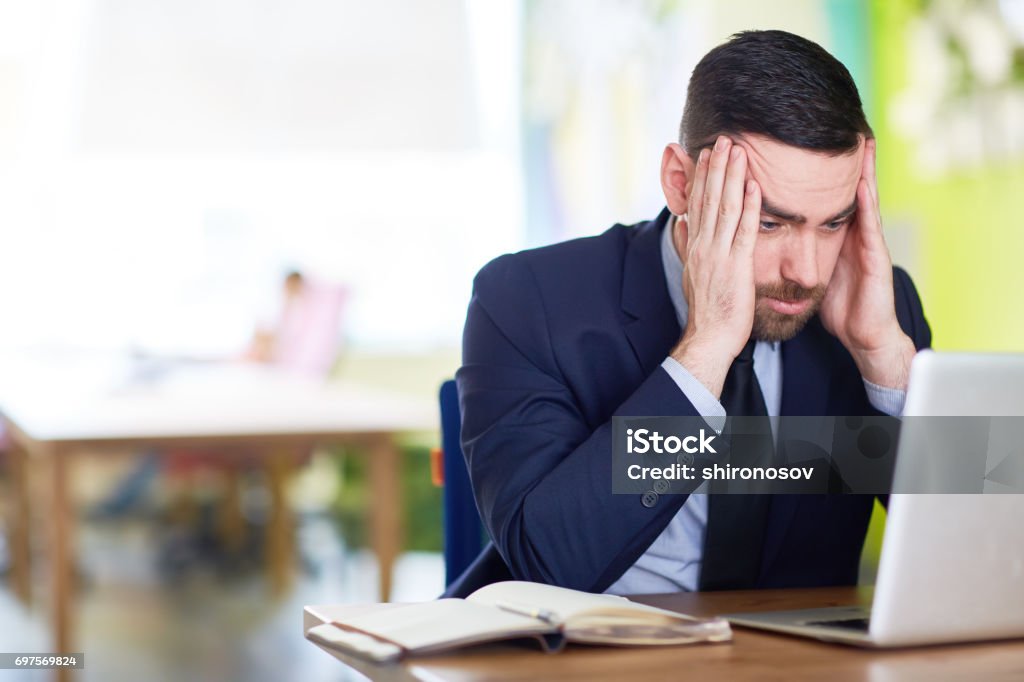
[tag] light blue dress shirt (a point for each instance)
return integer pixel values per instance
(672, 562)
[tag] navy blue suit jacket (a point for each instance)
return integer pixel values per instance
(560, 339)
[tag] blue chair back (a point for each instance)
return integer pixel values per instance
(463, 531)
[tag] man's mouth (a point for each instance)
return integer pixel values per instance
(786, 307)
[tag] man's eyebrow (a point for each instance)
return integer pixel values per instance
(846, 212)
(799, 219)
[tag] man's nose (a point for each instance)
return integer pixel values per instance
(800, 262)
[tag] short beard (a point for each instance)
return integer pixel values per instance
(772, 326)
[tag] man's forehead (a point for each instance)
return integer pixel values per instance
(802, 181)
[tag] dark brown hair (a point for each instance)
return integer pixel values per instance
(775, 84)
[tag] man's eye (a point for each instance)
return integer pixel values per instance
(836, 225)
(768, 225)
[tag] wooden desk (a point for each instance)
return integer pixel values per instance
(752, 655)
(57, 410)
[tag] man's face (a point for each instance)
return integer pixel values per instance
(808, 206)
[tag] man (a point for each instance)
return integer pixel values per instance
(770, 250)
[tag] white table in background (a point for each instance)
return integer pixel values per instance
(58, 407)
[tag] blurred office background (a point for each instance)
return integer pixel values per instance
(164, 164)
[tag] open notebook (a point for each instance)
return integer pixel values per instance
(505, 610)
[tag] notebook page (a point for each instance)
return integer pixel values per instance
(443, 623)
(602, 618)
(563, 602)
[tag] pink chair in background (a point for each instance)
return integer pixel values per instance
(309, 331)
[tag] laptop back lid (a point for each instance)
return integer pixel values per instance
(952, 566)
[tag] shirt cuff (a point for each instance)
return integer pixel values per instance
(885, 399)
(697, 393)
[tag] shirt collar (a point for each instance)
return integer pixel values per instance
(673, 267)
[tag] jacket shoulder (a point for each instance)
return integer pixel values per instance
(909, 310)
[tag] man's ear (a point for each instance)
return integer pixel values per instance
(677, 171)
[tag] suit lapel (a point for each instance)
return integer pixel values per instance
(651, 325)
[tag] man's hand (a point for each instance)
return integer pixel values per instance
(858, 307)
(718, 242)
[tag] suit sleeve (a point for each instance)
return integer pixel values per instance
(541, 474)
(909, 311)
(910, 314)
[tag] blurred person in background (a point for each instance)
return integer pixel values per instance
(269, 337)
(303, 337)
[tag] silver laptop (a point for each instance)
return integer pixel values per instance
(952, 565)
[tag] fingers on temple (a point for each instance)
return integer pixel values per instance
(731, 206)
(693, 209)
(746, 232)
(869, 221)
(713, 188)
(868, 172)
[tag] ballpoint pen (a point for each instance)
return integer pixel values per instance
(531, 612)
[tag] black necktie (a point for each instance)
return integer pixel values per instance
(736, 522)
